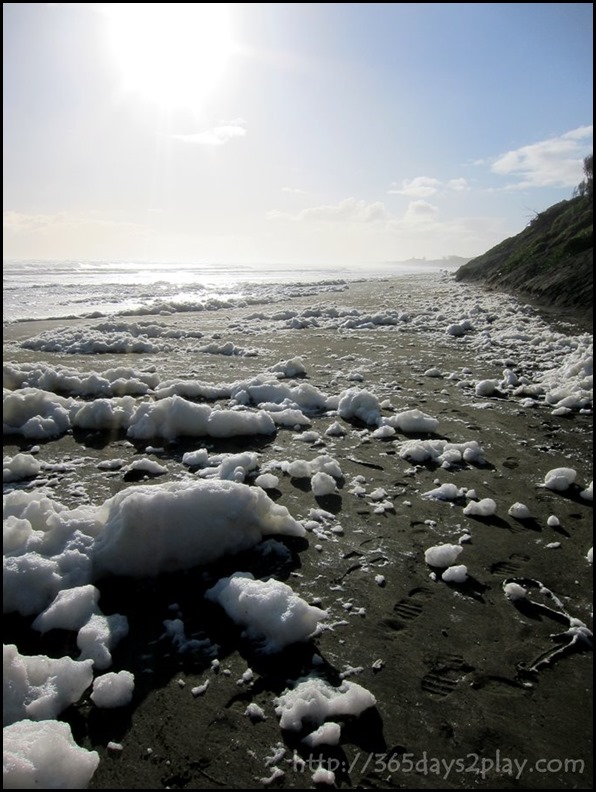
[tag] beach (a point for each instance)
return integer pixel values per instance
(396, 415)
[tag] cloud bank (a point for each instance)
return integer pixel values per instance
(555, 162)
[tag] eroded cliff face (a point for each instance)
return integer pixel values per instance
(549, 262)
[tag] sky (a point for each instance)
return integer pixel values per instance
(288, 132)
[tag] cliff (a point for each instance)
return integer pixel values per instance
(549, 262)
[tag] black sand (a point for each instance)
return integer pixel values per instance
(458, 704)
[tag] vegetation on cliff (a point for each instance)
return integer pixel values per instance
(550, 261)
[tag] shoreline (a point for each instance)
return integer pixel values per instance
(449, 684)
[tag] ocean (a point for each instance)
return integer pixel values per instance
(62, 289)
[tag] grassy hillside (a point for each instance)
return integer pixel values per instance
(550, 261)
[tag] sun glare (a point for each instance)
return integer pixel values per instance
(173, 53)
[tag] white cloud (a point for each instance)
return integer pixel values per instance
(351, 212)
(216, 136)
(294, 190)
(425, 186)
(23, 223)
(420, 212)
(458, 184)
(347, 211)
(555, 162)
(356, 230)
(581, 133)
(84, 235)
(418, 187)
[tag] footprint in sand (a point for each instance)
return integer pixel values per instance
(513, 565)
(447, 672)
(408, 608)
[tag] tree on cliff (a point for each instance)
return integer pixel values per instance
(585, 186)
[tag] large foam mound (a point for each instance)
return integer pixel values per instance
(154, 529)
(45, 756)
(38, 687)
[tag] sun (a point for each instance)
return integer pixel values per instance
(174, 54)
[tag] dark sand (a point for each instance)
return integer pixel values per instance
(455, 707)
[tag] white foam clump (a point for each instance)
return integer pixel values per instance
(110, 336)
(313, 701)
(412, 421)
(513, 591)
(289, 368)
(231, 467)
(322, 484)
(486, 387)
(270, 611)
(255, 713)
(590, 555)
(323, 776)
(485, 507)
(309, 437)
(570, 385)
(40, 415)
(510, 380)
(520, 511)
(327, 734)
(44, 755)
(104, 414)
(141, 531)
(335, 430)
(149, 529)
(383, 432)
(146, 465)
(99, 636)
(113, 690)
(198, 458)
(442, 555)
(267, 481)
(111, 464)
(70, 609)
(262, 389)
(37, 687)
(286, 416)
(361, 404)
(35, 414)
(176, 417)
(560, 479)
(378, 494)
(455, 574)
(445, 492)
(459, 328)
(46, 548)
(441, 451)
(19, 467)
(302, 468)
(117, 381)
(588, 493)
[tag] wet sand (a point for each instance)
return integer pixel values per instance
(458, 705)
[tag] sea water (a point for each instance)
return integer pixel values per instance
(60, 289)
